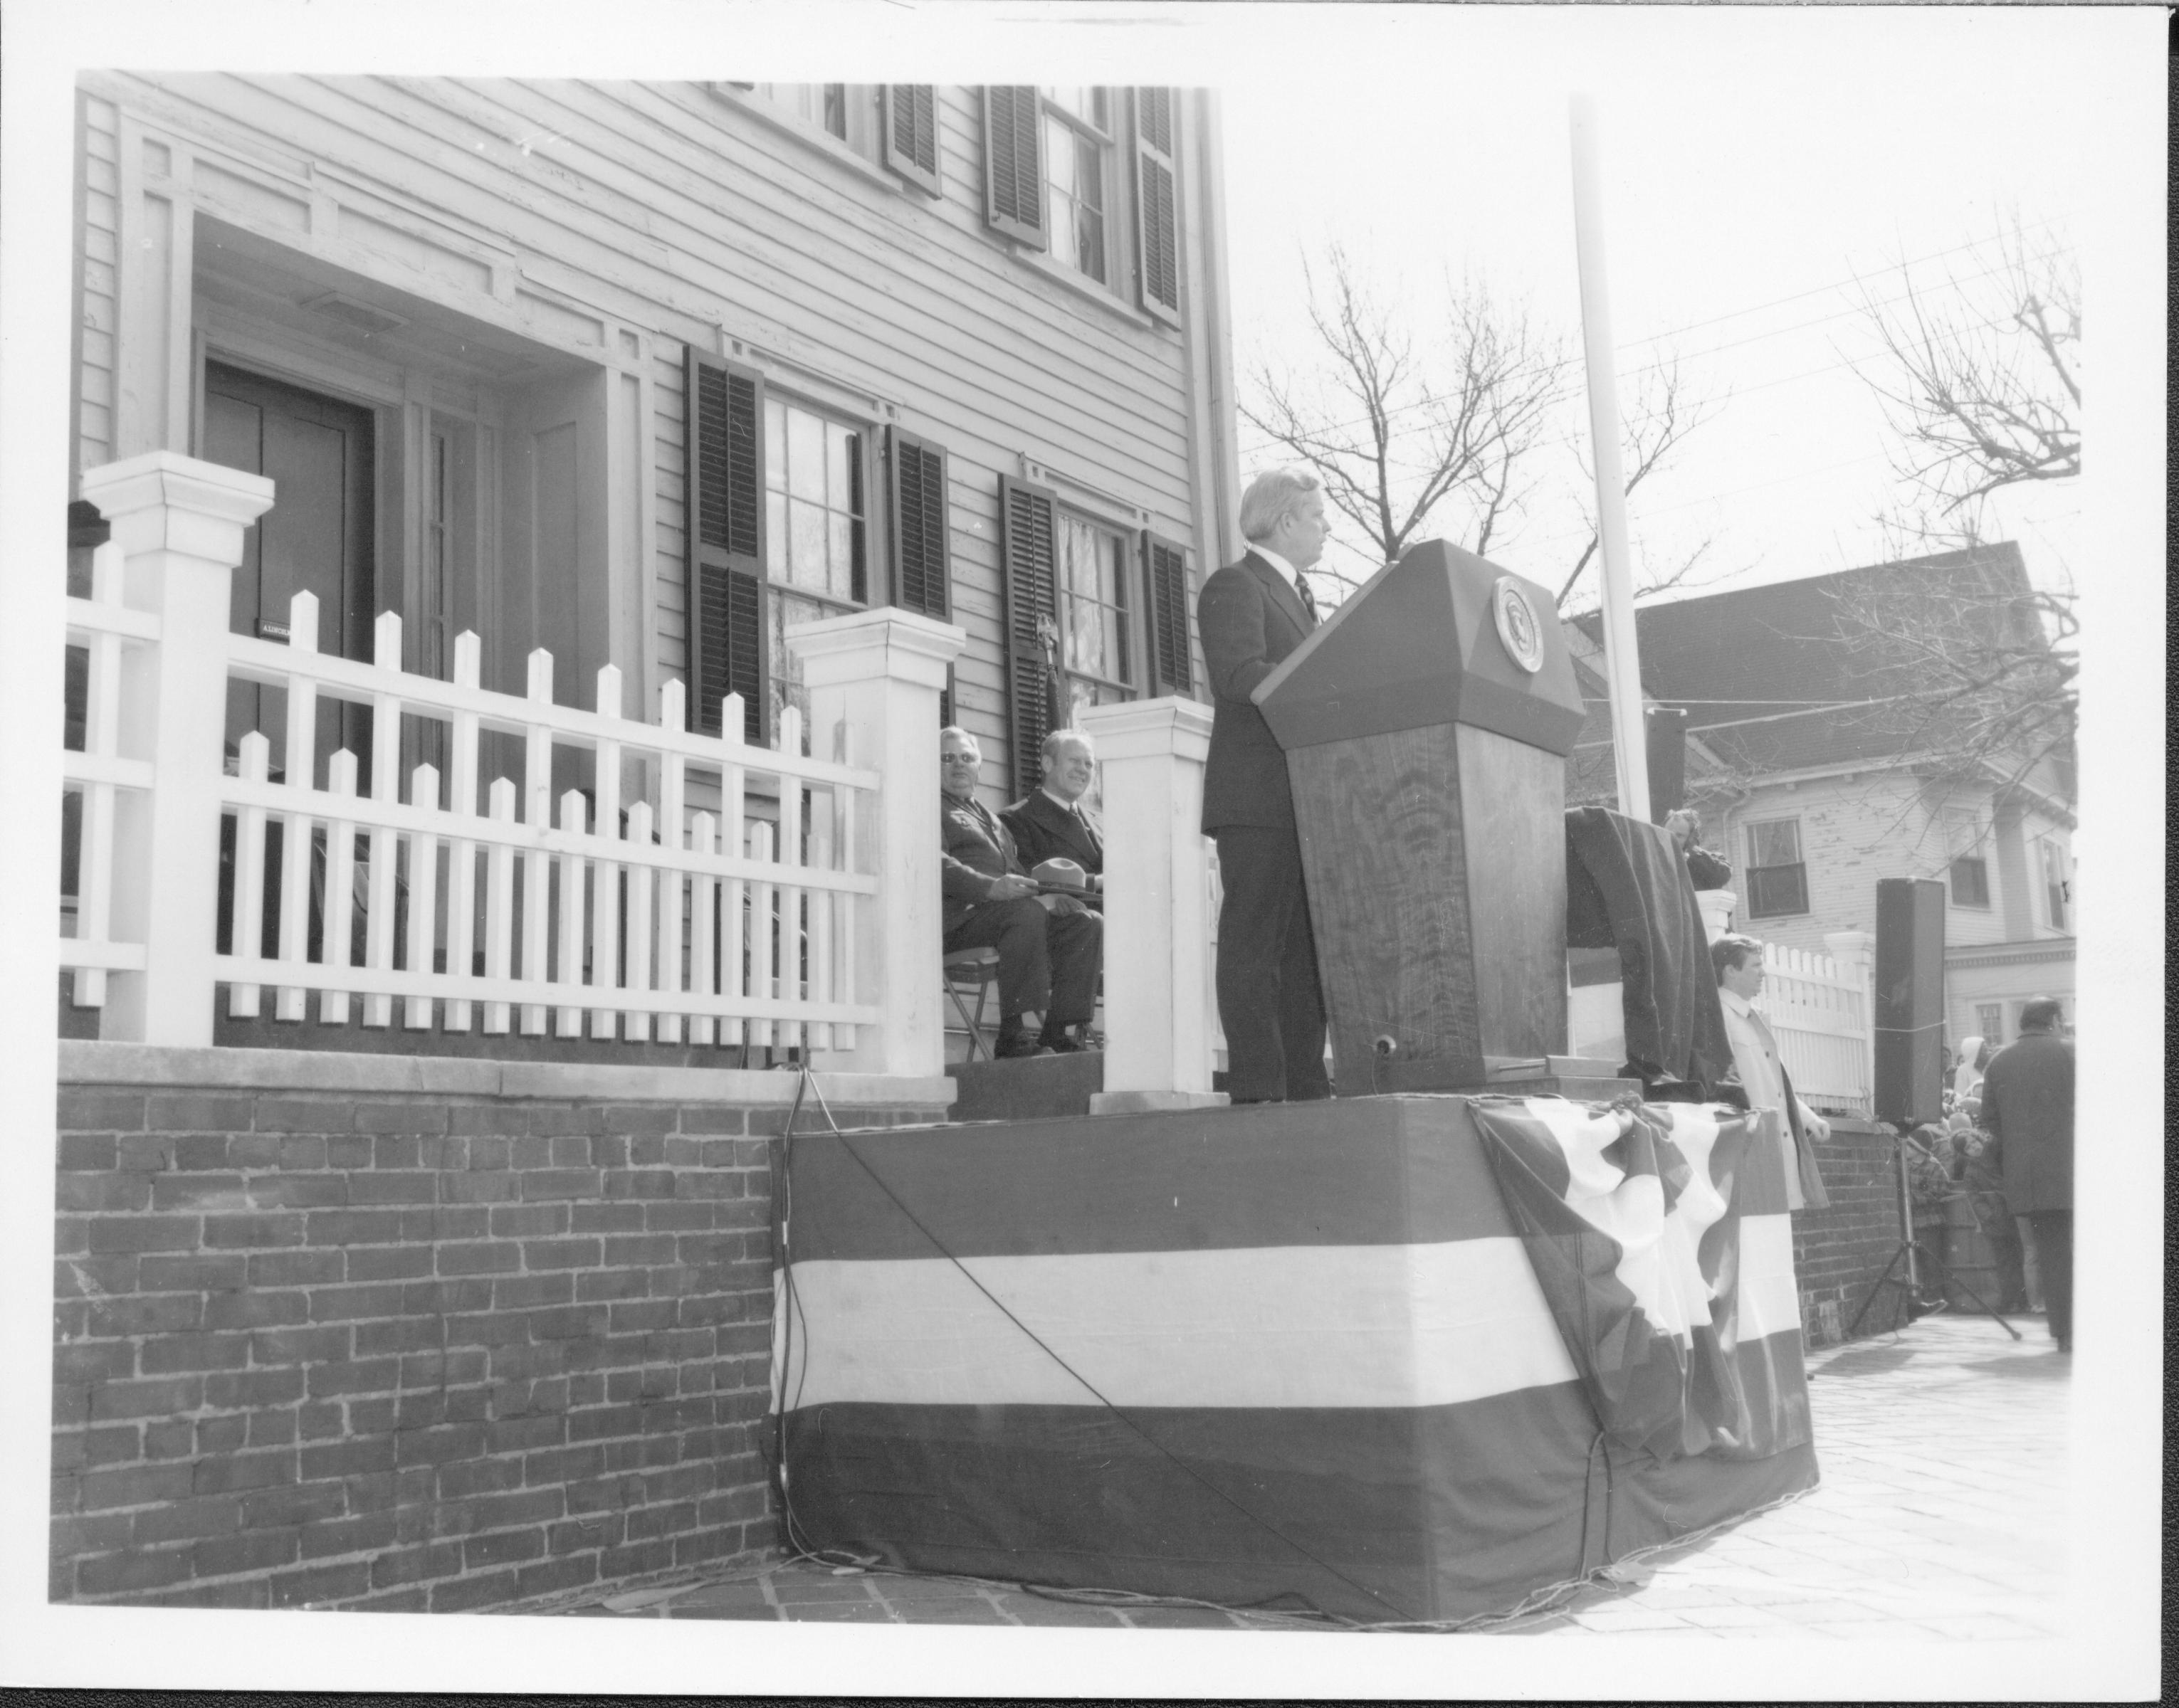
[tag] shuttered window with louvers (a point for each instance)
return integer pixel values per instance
(725, 544)
(1157, 220)
(1027, 523)
(1014, 163)
(921, 579)
(911, 132)
(1164, 570)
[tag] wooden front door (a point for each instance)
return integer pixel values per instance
(317, 538)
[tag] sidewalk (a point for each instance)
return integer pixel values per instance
(1942, 1513)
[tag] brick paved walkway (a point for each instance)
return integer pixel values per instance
(1942, 1513)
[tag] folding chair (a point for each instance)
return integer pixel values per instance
(976, 969)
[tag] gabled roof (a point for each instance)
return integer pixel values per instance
(1802, 674)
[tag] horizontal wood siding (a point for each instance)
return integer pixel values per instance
(670, 211)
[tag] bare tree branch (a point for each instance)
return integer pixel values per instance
(1982, 382)
(1400, 434)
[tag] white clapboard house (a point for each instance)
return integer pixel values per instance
(629, 381)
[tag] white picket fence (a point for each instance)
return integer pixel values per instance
(696, 889)
(516, 912)
(1819, 1014)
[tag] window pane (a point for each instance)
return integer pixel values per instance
(805, 455)
(840, 555)
(814, 473)
(1082, 103)
(1775, 843)
(775, 535)
(839, 443)
(805, 558)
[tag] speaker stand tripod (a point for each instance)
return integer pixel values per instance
(1913, 1253)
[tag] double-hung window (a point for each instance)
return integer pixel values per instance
(1090, 176)
(1078, 167)
(1095, 612)
(2057, 885)
(1777, 878)
(1096, 656)
(1970, 866)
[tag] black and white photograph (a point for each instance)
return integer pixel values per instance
(1303, 847)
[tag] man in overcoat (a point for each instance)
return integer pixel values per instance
(1251, 615)
(2028, 1107)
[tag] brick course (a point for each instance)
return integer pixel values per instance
(1839, 1253)
(422, 1350)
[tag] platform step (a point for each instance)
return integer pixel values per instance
(1028, 1088)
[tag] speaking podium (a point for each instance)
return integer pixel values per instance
(1426, 725)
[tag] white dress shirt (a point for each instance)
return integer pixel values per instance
(1755, 1056)
(1286, 569)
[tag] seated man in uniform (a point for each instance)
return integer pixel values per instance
(1052, 823)
(1048, 956)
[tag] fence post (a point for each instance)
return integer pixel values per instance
(179, 523)
(1157, 935)
(876, 676)
(1717, 906)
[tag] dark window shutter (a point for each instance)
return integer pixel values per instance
(920, 580)
(1157, 220)
(1026, 527)
(911, 132)
(1014, 163)
(724, 529)
(1164, 571)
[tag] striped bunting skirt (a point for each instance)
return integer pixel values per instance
(1298, 1356)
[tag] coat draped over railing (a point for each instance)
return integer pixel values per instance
(678, 888)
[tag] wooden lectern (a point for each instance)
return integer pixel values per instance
(1426, 726)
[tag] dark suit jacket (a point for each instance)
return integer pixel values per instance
(974, 848)
(1043, 830)
(2027, 1103)
(1250, 620)
(1805, 1150)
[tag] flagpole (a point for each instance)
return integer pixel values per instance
(1622, 658)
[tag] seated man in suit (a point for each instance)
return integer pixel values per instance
(1052, 823)
(1048, 957)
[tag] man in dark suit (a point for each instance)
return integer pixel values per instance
(1048, 958)
(2028, 1107)
(1051, 824)
(1251, 616)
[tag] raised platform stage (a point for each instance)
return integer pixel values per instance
(1297, 1353)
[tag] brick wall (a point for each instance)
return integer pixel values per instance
(414, 1347)
(1839, 1253)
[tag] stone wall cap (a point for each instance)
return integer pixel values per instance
(85, 1061)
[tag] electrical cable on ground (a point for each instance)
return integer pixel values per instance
(807, 1082)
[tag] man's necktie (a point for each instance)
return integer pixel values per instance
(1308, 599)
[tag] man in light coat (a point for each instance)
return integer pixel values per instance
(1738, 963)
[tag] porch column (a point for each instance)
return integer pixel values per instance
(1716, 905)
(179, 523)
(876, 677)
(1157, 904)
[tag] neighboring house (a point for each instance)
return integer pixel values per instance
(1818, 769)
(647, 374)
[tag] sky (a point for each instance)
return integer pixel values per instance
(1764, 173)
(1757, 161)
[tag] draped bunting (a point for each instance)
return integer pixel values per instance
(1303, 1355)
